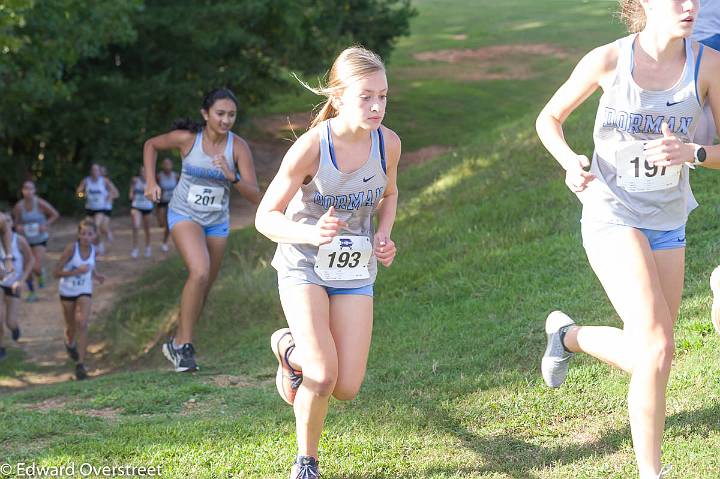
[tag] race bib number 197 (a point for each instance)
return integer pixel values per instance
(636, 175)
(345, 258)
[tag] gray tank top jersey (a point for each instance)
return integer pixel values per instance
(96, 193)
(198, 171)
(139, 201)
(355, 197)
(628, 113)
(32, 220)
(167, 184)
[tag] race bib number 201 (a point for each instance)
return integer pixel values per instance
(345, 258)
(205, 198)
(636, 175)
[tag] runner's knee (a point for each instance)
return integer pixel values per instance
(319, 378)
(346, 390)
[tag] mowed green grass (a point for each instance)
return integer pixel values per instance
(489, 244)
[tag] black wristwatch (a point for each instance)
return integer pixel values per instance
(237, 178)
(700, 155)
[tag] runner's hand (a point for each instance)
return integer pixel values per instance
(328, 227)
(219, 161)
(384, 249)
(16, 287)
(576, 178)
(100, 278)
(152, 191)
(82, 269)
(43, 228)
(668, 150)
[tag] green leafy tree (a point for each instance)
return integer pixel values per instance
(90, 81)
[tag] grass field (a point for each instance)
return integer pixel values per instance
(489, 244)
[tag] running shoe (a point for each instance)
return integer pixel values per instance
(287, 379)
(665, 471)
(555, 362)
(305, 467)
(32, 297)
(164, 247)
(3, 353)
(183, 359)
(715, 286)
(148, 251)
(72, 351)
(135, 253)
(80, 372)
(15, 333)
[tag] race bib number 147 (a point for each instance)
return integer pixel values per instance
(636, 175)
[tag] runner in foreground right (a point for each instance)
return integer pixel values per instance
(636, 199)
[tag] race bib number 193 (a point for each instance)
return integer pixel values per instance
(636, 175)
(345, 258)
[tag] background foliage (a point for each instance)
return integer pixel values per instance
(88, 82)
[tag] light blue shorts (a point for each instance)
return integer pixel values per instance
(658, 239)
(285, 282)
(220, 230)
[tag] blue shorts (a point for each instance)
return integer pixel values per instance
(220, 230)
(658, 239)
(712, 42)
(288, 281)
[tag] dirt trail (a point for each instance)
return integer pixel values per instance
(42, 323)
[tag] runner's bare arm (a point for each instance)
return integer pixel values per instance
(175, 140)
(64, 258)
(114, 193)
(6, 242)
(594, 70)
(710, 84)
(49, 210)
(300, 164)
(248, 185)
(17, 214)
(132, 187)
(387, 208)
(28, 258)
(80, 188)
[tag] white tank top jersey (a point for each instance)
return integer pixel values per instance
(72, 286)
(139, 201)
(18, 263)
(96, 193)
(707, 22)
(628, 190)
(355, 197)
(203, 192)
(167, 183)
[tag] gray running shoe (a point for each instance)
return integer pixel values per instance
(305, 467)
(555, 362)
(183, 359)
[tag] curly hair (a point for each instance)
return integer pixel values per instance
(632, 14)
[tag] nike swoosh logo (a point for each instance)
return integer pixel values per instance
(671, 103)
(680, 240)
(365, 180)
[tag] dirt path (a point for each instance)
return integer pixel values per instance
(42, 323)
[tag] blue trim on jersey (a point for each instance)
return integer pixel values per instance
(382, 149)
(331, 147)
(697, 72)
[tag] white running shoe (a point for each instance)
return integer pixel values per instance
(135, 253)
(148, 251)
(715, 286)
(555, 362)
(164, 247)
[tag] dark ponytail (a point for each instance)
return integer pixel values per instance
(208, 101)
